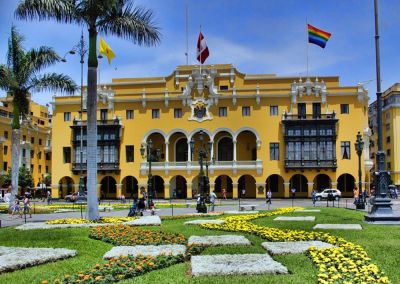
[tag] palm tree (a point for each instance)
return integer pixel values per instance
(19, 77)
(115, 17)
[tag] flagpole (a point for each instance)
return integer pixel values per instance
(307, 44)
(200, 53)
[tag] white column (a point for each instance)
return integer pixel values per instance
(189, 153)
(212, 150)
(166, 152)
(234, 150)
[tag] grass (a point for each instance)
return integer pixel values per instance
(381, 243)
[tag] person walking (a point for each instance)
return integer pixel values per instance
(355, 192)
(48, 197)
(314, 197)
(16, 208)
(213, 198)
(224, 193)
(27, 206)
(269, 197)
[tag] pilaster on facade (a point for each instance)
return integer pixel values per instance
(235, 190)
(334, 184)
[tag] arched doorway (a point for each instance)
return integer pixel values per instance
(275, 183)
(321, 182)
(65, 186)
(248, 183)
(246, 146)
(345, 183)
(108, 188)
(130, 187)
(225, 149)
(300, 183)
(221, 182)
(178, 186)
(158, 187)
(181, 150)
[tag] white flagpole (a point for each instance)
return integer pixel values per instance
(307, 44)
(200, 52)
(187, 32)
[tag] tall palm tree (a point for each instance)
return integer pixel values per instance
(21, 76)
(115, 17)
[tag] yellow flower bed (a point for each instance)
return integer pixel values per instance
(346, 264)
(85, 221)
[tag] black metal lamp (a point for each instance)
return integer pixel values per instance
(359, 145)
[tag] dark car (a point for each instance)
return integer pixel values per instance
(72, 197)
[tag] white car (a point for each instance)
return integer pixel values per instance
(324, 194)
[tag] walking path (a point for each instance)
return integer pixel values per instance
(228, 205)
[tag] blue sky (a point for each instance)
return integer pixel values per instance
(256, 36)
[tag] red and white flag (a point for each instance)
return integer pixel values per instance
(202, 49)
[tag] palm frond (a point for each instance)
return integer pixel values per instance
(42, 57)
(129, 22)
(53, 82)
(63, 11)
(7, 80)
(15, 51)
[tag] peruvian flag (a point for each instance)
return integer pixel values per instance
(202, 49)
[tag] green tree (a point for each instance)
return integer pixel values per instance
(25, 179)
(21, 76)
(47, 179)
(114, 17)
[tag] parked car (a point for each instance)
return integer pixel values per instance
(324, 194)
(72, 197)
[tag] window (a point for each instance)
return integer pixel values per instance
(32, 168)
(301, 110)
(246, 111)
(129, 153)
(32, 140)
(24, 138)
(274, 151)
(32, 154)
(223, 112)
(387, 126)
(177, 113)
(223, 87)
(155, 113)
(67, 155)
(40, 169)
(48, 157)
(47, 169)
(316, 110)
(39, 155)
(388, 152)
(23, 153)
(40, 141)
(345, 150)
(273, 110)
(6, 134)
(67, 116)
(389, 166)
(103, 114)
(129, 114)
(5, 150)
(344, 108)
(388, 139)
(5, 166)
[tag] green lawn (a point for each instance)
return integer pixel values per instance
(382, 244)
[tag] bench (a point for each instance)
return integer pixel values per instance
(104, 208)
(188, 205)
(247, 207)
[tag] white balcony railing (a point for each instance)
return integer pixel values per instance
(194, 166)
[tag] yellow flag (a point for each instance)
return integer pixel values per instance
(106, 50)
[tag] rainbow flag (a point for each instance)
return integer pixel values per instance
(317, 36)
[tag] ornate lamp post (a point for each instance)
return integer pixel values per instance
(151, 157)
(359, 145)
(203, 180)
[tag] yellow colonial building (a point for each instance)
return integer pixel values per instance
(35, 151)
(266, 132)
(390, 131)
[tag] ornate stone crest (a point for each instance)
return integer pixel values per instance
(200, 111)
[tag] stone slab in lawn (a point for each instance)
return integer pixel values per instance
(235, 264)
(145, 250)
(199, 222)
(307, 210)
(230, 240)
(240, 212)
(145, 220)
(293, 247)
(14, 258)
(43, 225)
(338, 226)
(303, 218)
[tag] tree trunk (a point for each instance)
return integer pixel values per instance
(93, 209)
(15, 154)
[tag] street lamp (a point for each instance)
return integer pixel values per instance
(359, 145)
(150, 157)
(204, 183)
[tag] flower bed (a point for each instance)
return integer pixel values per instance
(85, 221)
(123, 235)
(117, 269)
(348, 263)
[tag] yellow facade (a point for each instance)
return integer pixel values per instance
(390, 130)
(35, 142)
(241, 114)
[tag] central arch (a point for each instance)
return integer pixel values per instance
(65, 186)
(300, 183)
(130, 187)
(321, 182)
(346, 183)
(158, 187)
(108, 188)
(248, 184)
(181, 150)
(223, 181)
(178, 187)
(275, 183)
